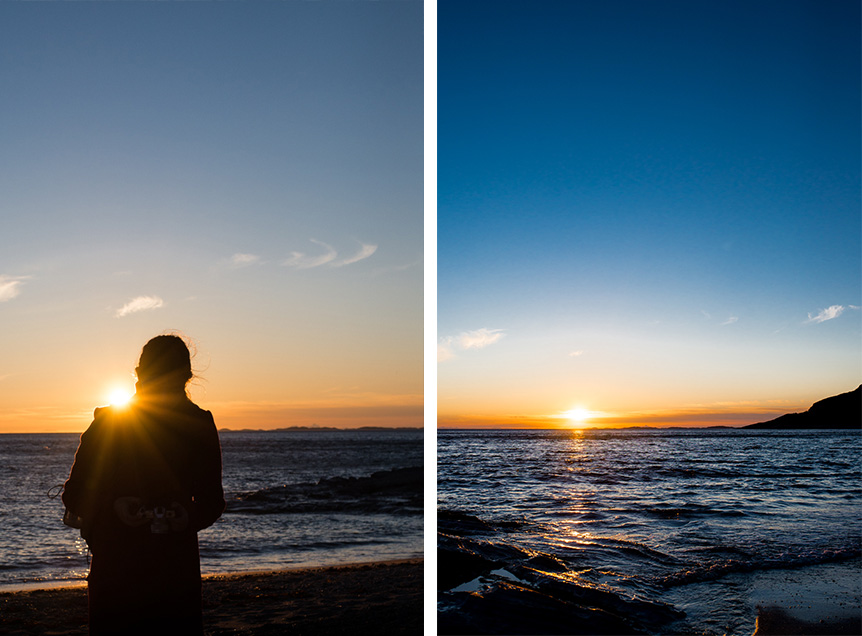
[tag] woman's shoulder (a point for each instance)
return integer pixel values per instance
(196, 412)
(105, 425)
(103, 412)
(194, 408)
(102, 415)
(200, 424)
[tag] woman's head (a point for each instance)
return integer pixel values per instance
(165, 365)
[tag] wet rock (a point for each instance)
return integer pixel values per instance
(393, 491)
(509, 608)
(461, 559)
(647, 615)
(546, 563)
(460, 523)
(455, 568)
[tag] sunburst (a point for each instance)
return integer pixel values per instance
(119, 397)
(578, 416)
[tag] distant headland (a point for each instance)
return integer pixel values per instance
(839, 411)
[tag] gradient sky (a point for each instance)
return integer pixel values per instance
(647, 210)
(251, 175)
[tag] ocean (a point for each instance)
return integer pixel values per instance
(648, 531)
(295, 498)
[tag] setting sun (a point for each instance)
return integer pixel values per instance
(577, 416)
(119, 397)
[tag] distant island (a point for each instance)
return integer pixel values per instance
(839, 411)
(321, 429)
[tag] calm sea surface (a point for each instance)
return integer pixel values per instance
(670, 524)
(294, 498)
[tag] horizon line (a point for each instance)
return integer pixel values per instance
(625, 428)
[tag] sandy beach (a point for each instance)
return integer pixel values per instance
(369, 598)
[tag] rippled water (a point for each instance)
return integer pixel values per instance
(646, 513)
(294, 498)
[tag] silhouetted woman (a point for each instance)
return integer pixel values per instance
(146, 479)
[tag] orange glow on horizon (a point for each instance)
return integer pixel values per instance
(399, 412)
(580, 418)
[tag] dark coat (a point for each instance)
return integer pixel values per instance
(163, 453)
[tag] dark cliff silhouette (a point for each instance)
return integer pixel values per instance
(839, 411)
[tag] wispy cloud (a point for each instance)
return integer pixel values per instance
(477, 339)
(576, 354)
(141, 303)
(444, 351)
(826, 314)
(364, 252)
(244, 260)
(300, 260)
(730, 319)
(10, 287)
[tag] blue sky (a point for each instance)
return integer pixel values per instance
(658, 195)
(251, 175)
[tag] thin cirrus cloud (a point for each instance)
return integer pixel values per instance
(141, 303)
(364, 252)
(244, 260)
(301, 260)
(477, 339)
(829, 313)
(730, 320)
(10, 287)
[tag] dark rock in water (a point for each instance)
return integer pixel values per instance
(456, 567)
(462, 559)
(397, 491)
(641, 612)
(546, 563)
(490, 587)
(456, 522)
(385, 480)
(842, 411)
(461, 523)
(510, 608)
